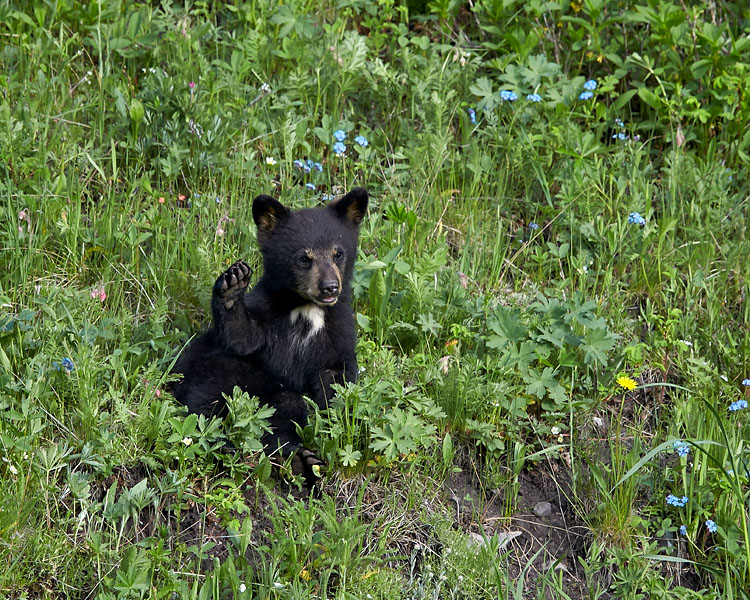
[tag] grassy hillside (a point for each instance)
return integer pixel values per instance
(551, 297)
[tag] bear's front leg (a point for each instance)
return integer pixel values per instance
(236, 331)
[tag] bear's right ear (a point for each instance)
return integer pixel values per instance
(267, 214)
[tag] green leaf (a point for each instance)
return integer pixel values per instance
(595, 345)
(648, 97)
(520, 357)
(377, 290)
(506, 323)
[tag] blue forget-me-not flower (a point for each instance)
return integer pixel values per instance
(635, 218)
(682, 448)
(676, 500)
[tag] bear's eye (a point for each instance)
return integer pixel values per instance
(338, 254)
(305, 260)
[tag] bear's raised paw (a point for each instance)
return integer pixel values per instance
(231, 283)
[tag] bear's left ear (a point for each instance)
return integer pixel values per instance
(351, 207)
(267, 214)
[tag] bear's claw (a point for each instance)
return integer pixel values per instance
(231, 283)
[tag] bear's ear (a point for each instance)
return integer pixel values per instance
(351, 207)
(267, 214)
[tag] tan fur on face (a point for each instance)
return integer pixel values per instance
(310, 279)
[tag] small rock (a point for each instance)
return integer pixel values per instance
(503, 538)
(542, 509)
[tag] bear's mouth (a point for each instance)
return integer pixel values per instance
(328, 300)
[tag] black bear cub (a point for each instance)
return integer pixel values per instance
(291, 335)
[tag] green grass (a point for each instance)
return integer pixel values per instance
(500, 292)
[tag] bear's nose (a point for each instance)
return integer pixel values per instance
(329, 287)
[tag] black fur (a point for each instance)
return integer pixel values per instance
(293, 334)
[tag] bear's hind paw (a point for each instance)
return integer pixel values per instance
(231, 283)
(307, 464)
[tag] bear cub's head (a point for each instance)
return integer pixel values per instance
(310, 252)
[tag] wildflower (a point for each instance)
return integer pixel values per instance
(99, 293)
(361, 140)
(313, 165)
(677, 501)
(533, 225)
(626, 383)
(339, 147)
(724, 378)
(635, 218)
(687, 343)
(711, 526)
(310, 186)
(23, 215)
(586, 96)
(68, 365)
(619, 122)
(161, 199)
(739, 405)
(682, 448)
(218, 200)
(242, 588)
(508, 96)
(301, 165)
(683, 531)
(265, 88)
(746, 382)
(590, 85)
(555, 430)
(534, 98)
(270, 160)
(472, 116)
(187, 440)
(340, 135)
(191, 85)
(619, 136)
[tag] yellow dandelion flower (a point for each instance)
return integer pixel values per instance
(626, 383)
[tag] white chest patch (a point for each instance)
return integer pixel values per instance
(313, 314)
